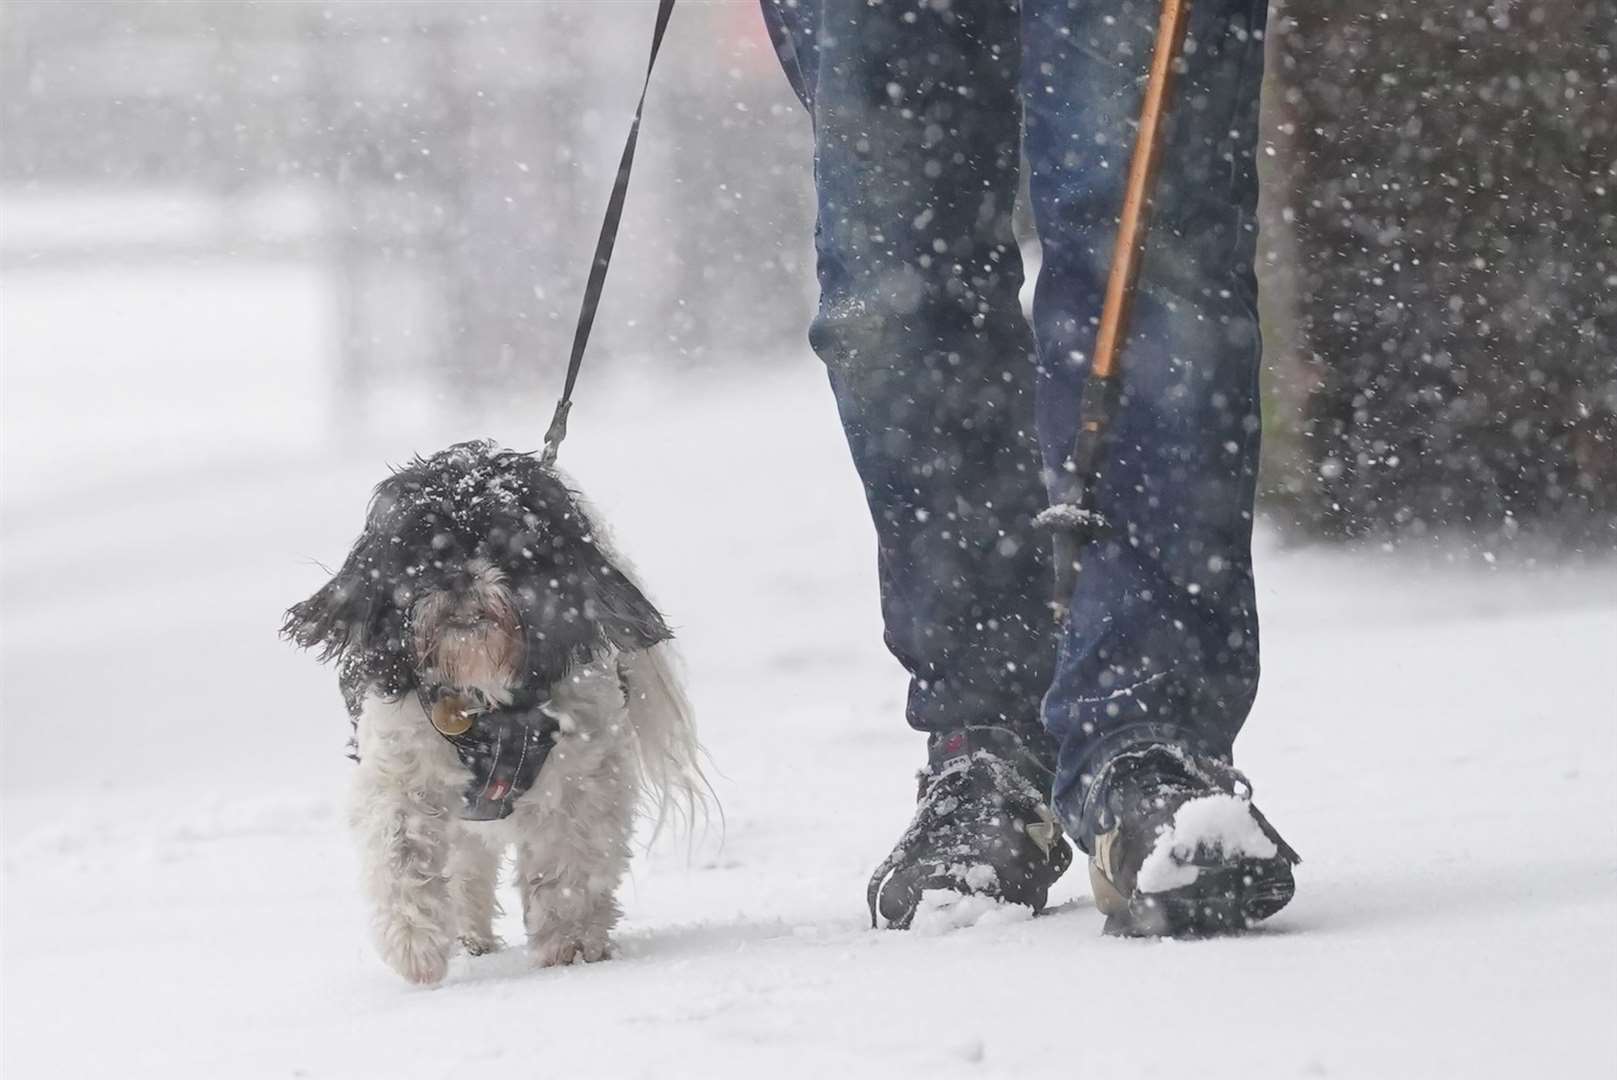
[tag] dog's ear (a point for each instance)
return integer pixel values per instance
(583, 604)
(349, 613)
(341, 613)
(580, 600)
(621, 612)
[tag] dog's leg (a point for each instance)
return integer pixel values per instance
(474, 867)
(572, 861)
(404, 851)
(575, 834)
(401, 820)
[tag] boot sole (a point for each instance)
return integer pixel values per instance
(1222, 900)
(893, 905)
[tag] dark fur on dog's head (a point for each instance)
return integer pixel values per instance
(474, 539)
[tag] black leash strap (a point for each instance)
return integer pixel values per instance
(603, 249)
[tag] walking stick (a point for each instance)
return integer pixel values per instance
(1071, 515)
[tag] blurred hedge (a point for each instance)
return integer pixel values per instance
(1449, 188)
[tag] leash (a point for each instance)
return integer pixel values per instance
(1072, 516)
(504, 748)
(603, 250)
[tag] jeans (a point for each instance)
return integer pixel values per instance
(957, 412)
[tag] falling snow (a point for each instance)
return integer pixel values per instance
(252, 252)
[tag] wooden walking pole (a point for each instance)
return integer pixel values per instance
(1071, 514)
(1142, 180)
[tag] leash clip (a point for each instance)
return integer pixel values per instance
(555, 433)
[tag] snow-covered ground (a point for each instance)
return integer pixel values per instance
(1439, 740)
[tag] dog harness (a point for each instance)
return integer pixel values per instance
(503, 747)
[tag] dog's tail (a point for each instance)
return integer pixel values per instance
(665, 738)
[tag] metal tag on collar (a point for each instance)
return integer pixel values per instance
(453, 712)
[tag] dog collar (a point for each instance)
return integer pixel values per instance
(503, 747)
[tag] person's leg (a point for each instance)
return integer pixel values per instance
(1158, 664)
(1162, 643)
(794, 28)
(917, 129)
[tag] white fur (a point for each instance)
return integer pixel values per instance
(626, 741)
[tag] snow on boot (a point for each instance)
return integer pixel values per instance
(982, 827)
(1179, 849)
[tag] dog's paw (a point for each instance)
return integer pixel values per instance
(564, 950)
(480, 945)
(419, 955)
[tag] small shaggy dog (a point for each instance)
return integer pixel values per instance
(509, 686)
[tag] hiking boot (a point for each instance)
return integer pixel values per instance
(982, 827)
(1179, 849)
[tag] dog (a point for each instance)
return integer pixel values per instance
(509, 686)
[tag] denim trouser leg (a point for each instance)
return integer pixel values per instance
(1162, 641)
(917, 128)
(916, 120)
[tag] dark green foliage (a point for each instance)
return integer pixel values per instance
(1455, 198)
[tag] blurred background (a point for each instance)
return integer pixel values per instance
(297, 221)
(279, 225)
